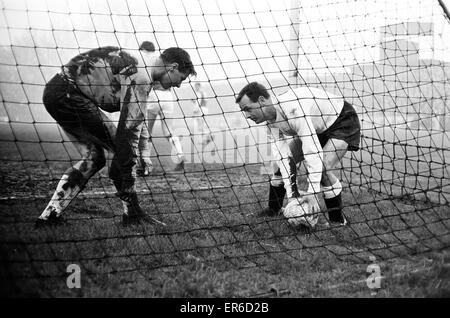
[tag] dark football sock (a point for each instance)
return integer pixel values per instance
(334, 207)
(276, 197)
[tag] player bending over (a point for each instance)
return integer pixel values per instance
(327, 127)
(110, 79)
(160, 103)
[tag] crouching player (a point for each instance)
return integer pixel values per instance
(326, 127)
(110, 79)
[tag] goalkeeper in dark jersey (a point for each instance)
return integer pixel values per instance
(110, 79)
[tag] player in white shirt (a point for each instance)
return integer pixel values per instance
(160, 103)
(325, 127)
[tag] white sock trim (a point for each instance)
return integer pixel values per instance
(332, 191)
(276, 181)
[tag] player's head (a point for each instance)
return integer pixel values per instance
(254, 100)
(178, 66)
(147, 46)
(197, 86)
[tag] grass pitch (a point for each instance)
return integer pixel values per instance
(215, 244)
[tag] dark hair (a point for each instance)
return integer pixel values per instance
(253, 90)
(147, 46)
(181, 57)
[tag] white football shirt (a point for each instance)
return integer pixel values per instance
(303, 112)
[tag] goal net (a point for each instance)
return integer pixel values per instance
(388, 58)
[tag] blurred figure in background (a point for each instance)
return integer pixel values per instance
(200, 111)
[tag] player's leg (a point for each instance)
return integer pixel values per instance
(333, 151)
(198, 126)
(94, 132)
(146, 142)
(277, 191)
(207, 137)
(131, 208)
(144, 165)
(344, 135)
(203, 132)
(139, 167)
(132, 211)
(74, 179)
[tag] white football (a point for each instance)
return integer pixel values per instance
(300, 214)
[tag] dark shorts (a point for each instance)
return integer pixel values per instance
(77, 114)
(346, 127)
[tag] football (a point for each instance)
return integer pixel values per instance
(300, 214)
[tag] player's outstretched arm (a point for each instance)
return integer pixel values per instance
(132, 118)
